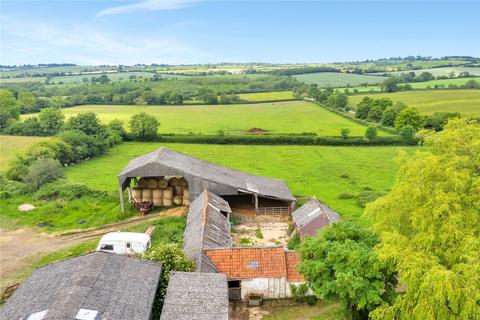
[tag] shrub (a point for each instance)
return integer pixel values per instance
(259, 234)
(117, 126)
(409, 117)
(346, 195)
(43, 171)
(87, 122)
(345, 132)
(365, 197)
(66, 190)
(408, 133)
(371, 133)
(10, 188)
(51, 120)
(144, 126)
(294, 242)
(300, 294)
(171, 256)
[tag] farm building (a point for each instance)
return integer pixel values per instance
(266, 272)
(208, 227)
(194, 295)
(313, 216)
(97, 285)
(246, 193)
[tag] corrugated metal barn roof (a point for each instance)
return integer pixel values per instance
(207, 228)
(196, 296)
(312, 216)
(163, 159)
(118, 287)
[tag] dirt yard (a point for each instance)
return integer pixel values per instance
(18, 248)
(260, 234)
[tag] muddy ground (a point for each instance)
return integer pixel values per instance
(261, 234)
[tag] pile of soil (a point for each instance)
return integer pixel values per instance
(256, 131)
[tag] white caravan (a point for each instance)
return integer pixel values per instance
(124, 242)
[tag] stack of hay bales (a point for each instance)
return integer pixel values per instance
(161, 192)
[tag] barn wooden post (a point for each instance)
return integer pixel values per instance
(256, 203)
(120, 190)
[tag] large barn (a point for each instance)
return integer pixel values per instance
(246, 193)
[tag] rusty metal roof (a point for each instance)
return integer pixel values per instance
(313, 216)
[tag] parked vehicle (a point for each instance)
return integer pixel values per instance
(124, 242)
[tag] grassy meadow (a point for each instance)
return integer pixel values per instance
(267, 96)
(10, 146)
(466, 102)
(323, 171)
(444, 71)
(334, 79)
(276, 117)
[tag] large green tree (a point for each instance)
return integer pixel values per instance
(409, 117)
(51, 120)
(341, 264)
(144, 126)
(430, 225)
(9, 109)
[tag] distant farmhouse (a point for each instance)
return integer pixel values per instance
(313, 216)
(93, 286)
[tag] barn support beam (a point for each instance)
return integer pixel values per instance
(120, 190)
(256, 203)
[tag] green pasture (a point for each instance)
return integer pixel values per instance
(276, 117)
(322, 171)
(113, 76)
(429, 101)
(334, 79)
(445, 71)
(10, 146)
(267, 96)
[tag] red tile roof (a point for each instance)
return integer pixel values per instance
(256, 262)
(293, 260)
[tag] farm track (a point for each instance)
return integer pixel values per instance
(33, 245)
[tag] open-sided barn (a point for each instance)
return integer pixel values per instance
(196, 296)
(97, 285)
(313, 216)
(247, 192)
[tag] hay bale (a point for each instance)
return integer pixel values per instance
(178, 190)
(157, 193)
(152, 183)
(137, 194)
(147, 195)
(162, 183)
(186, 202)
(186, 193)
(178, 200)
(183, 182)
(158, 202)
(168, 193)
(173, 182)
(167, 202)
(141, 183)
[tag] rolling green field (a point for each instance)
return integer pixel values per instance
(10, 146)
(429, 101)
(333, 79)
(113, 76)
(267, 96)
(322, 171)
(441, 71)
(276, 118)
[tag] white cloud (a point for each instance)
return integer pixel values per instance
(146, 5)
(24, 42)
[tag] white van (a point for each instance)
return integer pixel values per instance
(124, 242)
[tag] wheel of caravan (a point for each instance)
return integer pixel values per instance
(167, 202)
(162, 183)
(137, 195)
(152, 183)
(178, 190)
(173, 182)
(147, 195)
(168, 193)
(178, 200)
(157, 196)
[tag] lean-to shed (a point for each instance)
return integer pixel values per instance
(99, 284)
(202, 175)
(313, 216)
(208, 227)
(196, 296)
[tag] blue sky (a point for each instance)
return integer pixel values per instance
(189, 31)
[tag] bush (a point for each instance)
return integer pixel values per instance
(345, 132)
(10, 188)
(300, 294)
(43, 171)
(367, 196)
(171, 256)
(409, 117)
(346, 195)
(144, 126)
(87, 122)
(66, 190)
(371, 133)
(408, 133)
(294, 242)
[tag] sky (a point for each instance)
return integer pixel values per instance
(89, 32)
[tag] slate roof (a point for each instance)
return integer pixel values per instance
(207, 228)
(119, 287)
(149, 164)
(255, 262)
(312, 216)
(196, 296)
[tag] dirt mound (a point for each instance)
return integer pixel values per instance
(256, 131)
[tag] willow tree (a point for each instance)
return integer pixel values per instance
(430, 225)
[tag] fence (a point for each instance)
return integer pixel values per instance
(273, 210)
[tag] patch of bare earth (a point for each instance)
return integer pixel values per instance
(261, 233)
